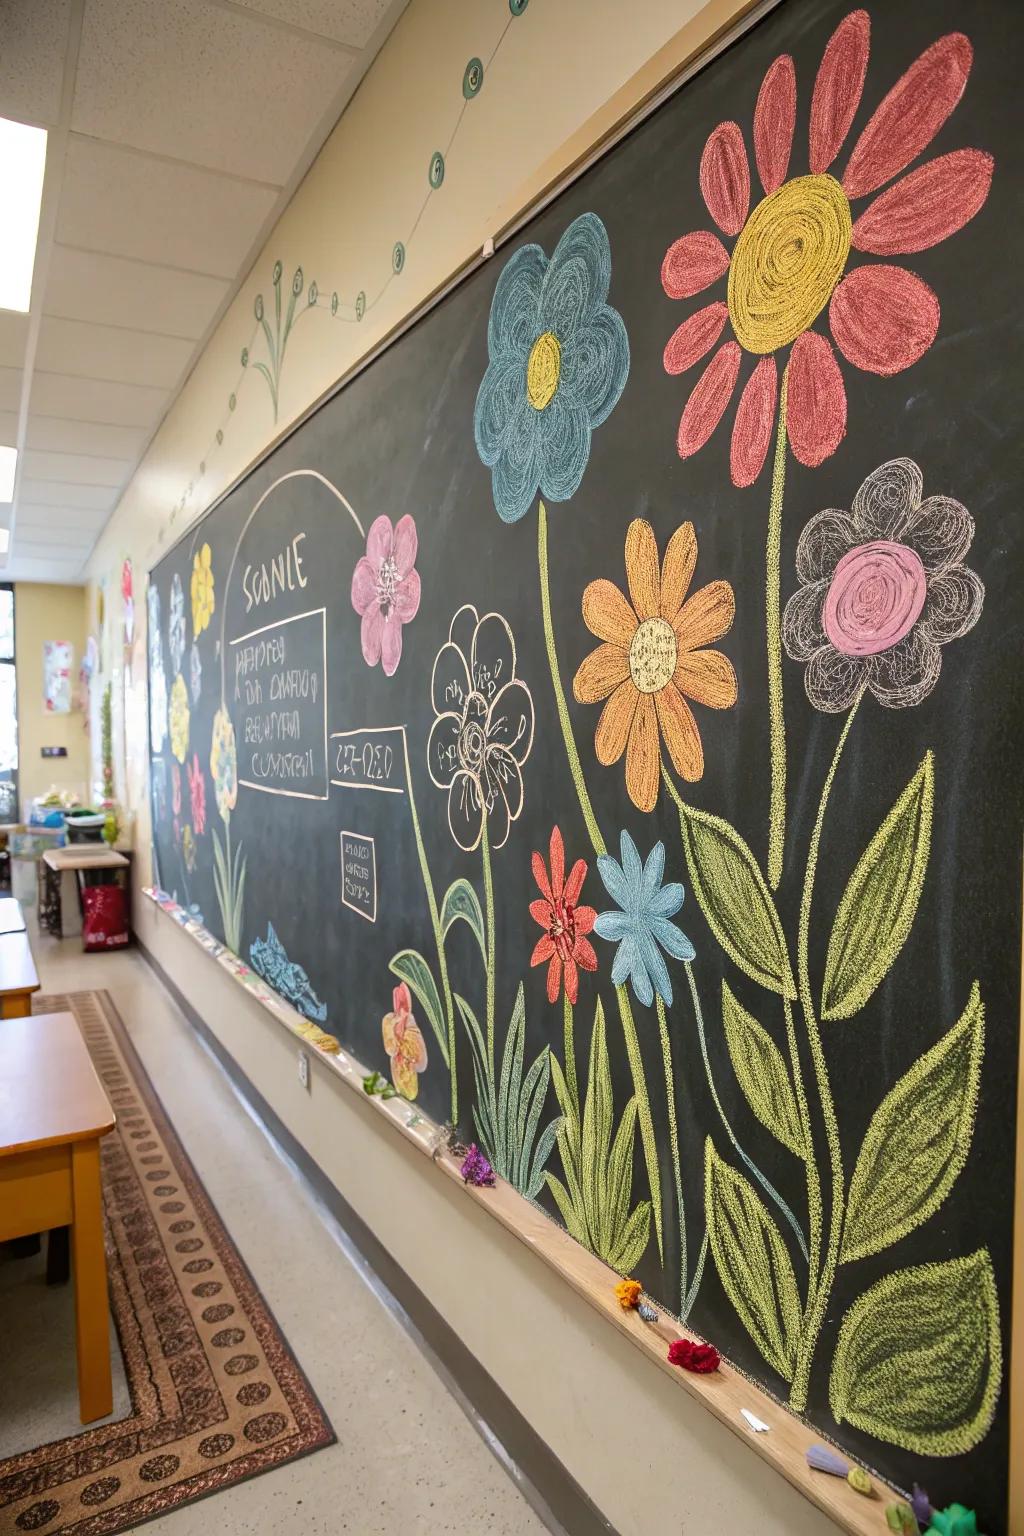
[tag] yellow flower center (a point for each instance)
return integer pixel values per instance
(789, 256)
(652, 655)
(543, 370)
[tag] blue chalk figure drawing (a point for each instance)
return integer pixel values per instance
(287, 979)
(559, 360)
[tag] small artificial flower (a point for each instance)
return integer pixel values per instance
(700, 1358)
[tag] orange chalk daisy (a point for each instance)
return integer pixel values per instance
(653, 658)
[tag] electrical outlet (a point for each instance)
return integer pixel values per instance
(304, 1070)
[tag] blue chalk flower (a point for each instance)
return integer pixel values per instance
(559, 360)
(641, 927)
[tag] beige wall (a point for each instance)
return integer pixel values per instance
(48, 613)
(651, 1459)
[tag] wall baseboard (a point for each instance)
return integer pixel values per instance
(550, 1489)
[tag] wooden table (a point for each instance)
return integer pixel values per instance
(53, 1111)
(18, 980)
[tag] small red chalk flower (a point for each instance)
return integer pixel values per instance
(476, 1169)
(701, 1358)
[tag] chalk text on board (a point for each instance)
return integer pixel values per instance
(283, 573)
(369, 757)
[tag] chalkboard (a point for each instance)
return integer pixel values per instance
(604, 716)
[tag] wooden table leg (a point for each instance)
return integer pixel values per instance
(95, 1390)
(15, 1005)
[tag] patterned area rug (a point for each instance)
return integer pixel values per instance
(216, 1394)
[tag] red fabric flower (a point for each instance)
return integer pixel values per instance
(565, 923)
(789, 262)
(701, 1358)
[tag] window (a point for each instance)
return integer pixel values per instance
(8, 710)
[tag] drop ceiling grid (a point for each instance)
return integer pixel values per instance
(192, 120)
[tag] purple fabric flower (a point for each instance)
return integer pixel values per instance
(386, 590)
(476, 1169)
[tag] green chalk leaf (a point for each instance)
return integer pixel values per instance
(409, 966)
(918, 1140)
(761, 1073)
(919, 1358)
(735, 900)
(879, 904)
(752, 1262)
(462, 902)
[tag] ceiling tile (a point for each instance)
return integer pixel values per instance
(80, 468)
(68, 573)
(193, 81)
(82, 522)
(53, 493)
(129, 204)
(33, 37)
(128, 405)
(346, 21)
(13, 335)
(9, 428)
(10, 389)
(110, 352)
(56, 434)
(107, 290)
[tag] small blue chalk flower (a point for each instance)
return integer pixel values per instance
(641, 927)
(559, 360)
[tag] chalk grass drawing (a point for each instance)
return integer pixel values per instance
(884, 588)
(507, 1111)
(653, 658)
(269, 958)
(790, 261)
(559, 360)
(597, 1163)
(386, 590)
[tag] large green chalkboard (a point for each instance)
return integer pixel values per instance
(676, 550)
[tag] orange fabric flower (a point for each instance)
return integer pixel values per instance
(652, 659)
(629, 1293)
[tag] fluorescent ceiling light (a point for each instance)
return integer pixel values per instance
(22, 163)
(8, 469)
(5, 539)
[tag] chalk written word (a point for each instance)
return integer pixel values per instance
(283, 573)
(359, 874)
(279, 676)
(371, 757)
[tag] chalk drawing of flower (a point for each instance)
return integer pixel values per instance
(224, 764)
(197, 794)
(175, 789)
(178, 718)
(789, 262)
(652, 659)
(559, 360)
(188, 848)
(203, 595)
(157, 680)
(483, 728)
(195, 672)
(404, 1043)
(158, 775)
(885, 588)
(176, 625)
(641, 925)
(563, 945)
(386, 590)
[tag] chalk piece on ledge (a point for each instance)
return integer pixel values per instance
(487, 248)
(757, 1425)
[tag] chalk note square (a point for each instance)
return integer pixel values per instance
(359, 874)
